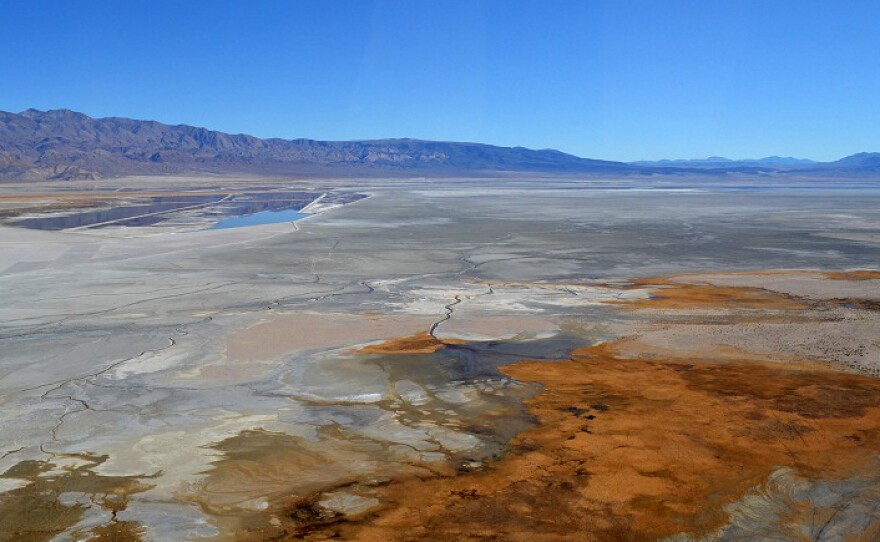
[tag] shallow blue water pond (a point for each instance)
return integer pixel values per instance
(264, 217)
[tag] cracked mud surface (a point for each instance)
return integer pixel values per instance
(424, 357)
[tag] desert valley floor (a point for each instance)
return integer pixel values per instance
(498, 359)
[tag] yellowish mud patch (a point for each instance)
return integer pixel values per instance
(273, 338)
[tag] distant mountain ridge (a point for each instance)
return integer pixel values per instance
(64, 144)
(67, 144)
(862, 160)
(863, 164)
(720, 161)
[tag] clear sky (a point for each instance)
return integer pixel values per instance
(617, 79)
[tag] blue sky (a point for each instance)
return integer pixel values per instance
(620, 80)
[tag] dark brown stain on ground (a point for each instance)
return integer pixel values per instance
(36, 511)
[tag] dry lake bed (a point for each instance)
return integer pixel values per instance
(506, 359)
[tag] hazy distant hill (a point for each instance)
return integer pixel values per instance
(63, 144)
(865, 164)
(868, 161)
(721, 162)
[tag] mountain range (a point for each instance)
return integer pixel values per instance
(63, 144)
(721, 162)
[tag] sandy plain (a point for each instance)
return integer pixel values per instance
(448, 360)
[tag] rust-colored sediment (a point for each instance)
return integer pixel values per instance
(859, 274)
(422, 343)
(632, 449)
(629, 449)
(117, 531)
(667, 294)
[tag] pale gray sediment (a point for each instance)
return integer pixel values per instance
(154, 350)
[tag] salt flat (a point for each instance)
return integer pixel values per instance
(219, 384)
